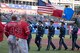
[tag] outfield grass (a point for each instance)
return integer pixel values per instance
(4, 47)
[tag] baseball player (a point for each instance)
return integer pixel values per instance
(22, 33)
(10, 33)
(1, 31)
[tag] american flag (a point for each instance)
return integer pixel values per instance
(48, 9)
(45, 8)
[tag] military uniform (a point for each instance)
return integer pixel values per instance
(74, 38)
(39, 35)
(51, 32)
(62, 36)
(30, 37)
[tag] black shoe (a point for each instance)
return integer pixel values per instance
(66, 48)
(78, 48)
(54, 48)
(72, 49)
(38, 49)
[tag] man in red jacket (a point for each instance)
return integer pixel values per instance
(1, 30)
(10, 33)
(22, 33)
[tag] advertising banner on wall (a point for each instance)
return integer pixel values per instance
(18, 11)
(17, 6)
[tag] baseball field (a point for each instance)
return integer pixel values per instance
(4, 45)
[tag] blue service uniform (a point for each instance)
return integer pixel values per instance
(74, 38)
(29, 38)
(51, 32)
(39, 35)
(62, 36)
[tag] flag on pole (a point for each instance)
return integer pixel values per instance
(68, 13)
(57, 13)
(45, 7)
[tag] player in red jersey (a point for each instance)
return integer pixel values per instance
(1, 30)
(10, 33)
(22, 33)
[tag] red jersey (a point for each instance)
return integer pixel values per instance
(10, 28)
(1, 31)
(22, 30)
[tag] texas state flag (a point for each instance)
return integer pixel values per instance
(58, 11)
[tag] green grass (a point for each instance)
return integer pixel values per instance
(4, 47)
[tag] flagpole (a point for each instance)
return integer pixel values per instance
(73, 4)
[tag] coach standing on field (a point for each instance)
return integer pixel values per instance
(22, 33)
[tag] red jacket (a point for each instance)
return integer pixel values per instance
(10, 28)
(22, 30)
(1, 31)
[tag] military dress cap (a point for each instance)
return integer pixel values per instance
(29, 22)
(63, 23)
(51, 21)
(40, 21)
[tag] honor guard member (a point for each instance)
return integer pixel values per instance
(10, 33)
(30, 36)
(39, 35)
(62, 36)
(74, 37)
(51, 32)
